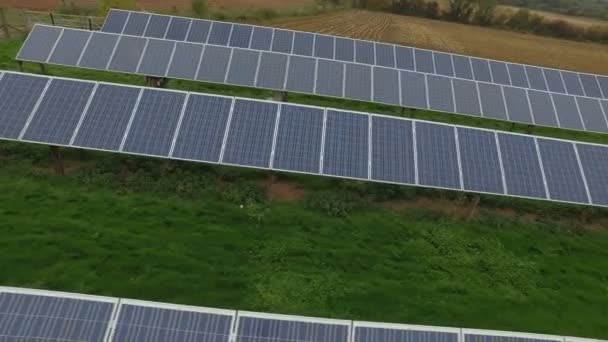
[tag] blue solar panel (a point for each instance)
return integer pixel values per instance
(392, 151)
(386, 86)
(462, 67)
(199, 31)
(69, 47)
(405, 58)
(346, 145)
(440, 94)
(358, 82)
(220, 33)
(127, 54)
(567, 111)
(299, 138)
(59, 112)
(492, 101)
(202, 128)
(345, 49)
(243, 67)
(480, 162)
(214, 64)
(373, 334)
(273, 67)
(115, 21)
(491, 338)
(185, 61)
(536, 78)
(330, 78)
(251, 133)
(136, 24)
(603, 81)
(153, 126)
(443, 64)
(592, 114)
(437, 155)
(156, 324)
(261, 38)
(303, 43)
(466, 97)
(590, 85)
(517, 104)
(481, 70)
(157, 55)
(178, 28)
(282, 41)
(413, 90)
(157, 26)
(500, 74)
(563, 174)
(25, 317)
(573, 83)
(99, 51)
(542, 108)
(39, 43)
(105, 122)
(518, 75)
(364, 52)
(241, 36)
(324, 46)
(15, 107)
(424, 61)
(520, 161)
(301, 74)
(594, 161)
(554, 81)
(385, 55)
(253, 329)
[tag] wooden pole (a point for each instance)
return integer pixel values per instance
(57, 160)
(4, 23)
(476, 199)
(42, 68)
(90, 24)
(52, 18)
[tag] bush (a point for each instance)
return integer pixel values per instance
(200, 8)
(335, 203)
(242, 193)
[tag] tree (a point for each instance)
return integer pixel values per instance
(484, 14)
(462, 10)
(105, 5)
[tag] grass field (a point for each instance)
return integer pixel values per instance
(223, 237)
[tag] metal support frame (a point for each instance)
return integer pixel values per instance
(280, 96)
(57, 158)
(156, 82)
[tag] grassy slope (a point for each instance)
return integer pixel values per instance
(416, 266)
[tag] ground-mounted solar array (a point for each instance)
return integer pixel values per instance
(283, 71)
(297, 138)
(353, 50)
(45, 316)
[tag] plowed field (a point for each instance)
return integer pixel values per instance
(464, 39)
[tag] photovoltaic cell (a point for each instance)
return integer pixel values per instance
(480, 161)
(536, 78)
(157, 26)
(136, 24)
(554, 81)
(357, 83)
(154, 123)
(299, 135)
(392, 151)
(567, 112)
(521, 165)
(437, 156)
(364, 52)
(330, 78)
(178, 28)
(386, 85)
(413, 90)
(346, 145)
(385, 55)
(115, 21)
(563, 174)
(25, 317)
(59, 112)
(15, 107)
(489, 338)
(424, 61)
(443, 64)
(261, 38)
(214, 64)
(462, 67)
(405, 58)
(592, 114)
(303, 43)
(465, 97)
(542, 108)
(253, 329)
(243, 67)
(153, 324)
(518, 75)
(594, 160)
(220, 33)
(39, 43)
(251, 133)
(492, 101)
(127, 54)
(282, 41)
(156, 57)
(440, 93)
(590, 85)
(69, 47)
(500, 74)
(301, 74)
(271, 73)
(345, 49)
(573, 83)
(99, 51)
(324, 46)
(603, 81)
(202, 129)
(106, 119)
(517, 104)
(481, 70)
(185, 61)
(369, 334)
(241, 36)
(199, 31)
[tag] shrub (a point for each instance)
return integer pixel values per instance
(242, 193)
(200, 7)
(335, 203)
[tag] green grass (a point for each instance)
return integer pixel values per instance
(176, 232)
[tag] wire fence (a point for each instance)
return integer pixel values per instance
(17, 23)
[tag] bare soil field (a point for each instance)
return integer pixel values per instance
(579, 21)
(458, 38)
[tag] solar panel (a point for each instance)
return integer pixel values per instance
(555, 82)
(358, 82)
(324, 46)
(345, 49)
(330, 78)
(39, 43)
(39, 316)
(462, 67)
(136, 24)
(573, 83)
(241, 36)
(127, 54)
(303, 44)
(272, 71)
(98, 52)
(492, 101)
(518, 107)
(185, 61)
(424, 61)
(518, 76)
(178, 28)
(157, 26)
(385, 55)
(500, 74)
(214, 64)
(542, 108)
(364, 52)
(220, 33)
(115, 21)
(491, 336)
(152, 322)
(405, 58)
(69, 47)
(282, 41)
(465, 97)
(441, 95)
(481, 70)
(381, 332)
(386, 86)
(261, 38)
(243, 67)
(156, 57)
(252, 133)
(592, 114)
(199, 31)
(301, 74)
(567, 111)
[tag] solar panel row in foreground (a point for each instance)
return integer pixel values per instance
(353, 50)
(297, 138)
(311, 75)
(35, 315)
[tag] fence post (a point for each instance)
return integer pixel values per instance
(4, 23)
(52, 18)
(90, 24)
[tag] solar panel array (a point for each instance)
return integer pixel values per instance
(354, 50)
(35, 315)
(311, 75)
(297, 138)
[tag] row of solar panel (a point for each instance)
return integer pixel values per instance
(51, 316)
(350, 50)
(308, 75)
(299, 139)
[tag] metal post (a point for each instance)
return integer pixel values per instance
(280, 96)
(20, 63)
(42, 68)
(57, 160)
(4, 23)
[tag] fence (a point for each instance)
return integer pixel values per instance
(16, 23)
